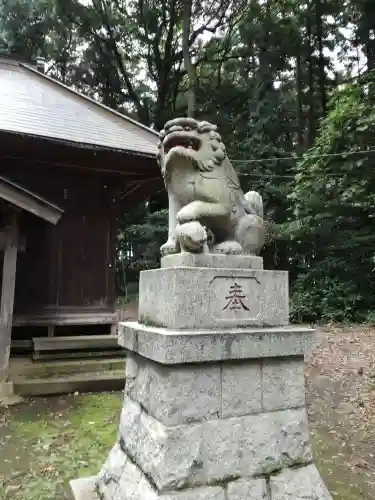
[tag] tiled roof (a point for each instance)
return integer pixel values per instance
(34, 104)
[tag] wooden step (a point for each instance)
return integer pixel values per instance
(81, 346)
(76, 355)
(25, 368)
(75, 342)
(22, 344)
(79, 382)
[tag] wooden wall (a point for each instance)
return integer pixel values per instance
(69, 266)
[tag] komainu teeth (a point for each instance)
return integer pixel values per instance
(175, 128)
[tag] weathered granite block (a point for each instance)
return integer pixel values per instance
(188, 298)
(110, 474)
(129, 425)
(185, 428)
(196, 392)
(211, 493)
(254, 445)
(222, 450)
(215, 450)
(123, 480)
(283, 383)
(248, 489)
(168, 455)
(196, 346)
(214, 260)
(241, 388)
(299, 484)
(134, 485)
(175, 395)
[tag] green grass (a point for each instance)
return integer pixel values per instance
(47, 442)
(47, 449)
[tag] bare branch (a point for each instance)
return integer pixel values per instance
(101, 10)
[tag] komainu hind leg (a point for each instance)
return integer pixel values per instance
(230, 247)
(250, 230)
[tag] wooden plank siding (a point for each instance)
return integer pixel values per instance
(69, 266)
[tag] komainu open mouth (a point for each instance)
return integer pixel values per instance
(181, 139)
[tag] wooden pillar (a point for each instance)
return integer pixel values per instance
(7, 294)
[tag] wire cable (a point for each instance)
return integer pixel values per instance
(323, 155)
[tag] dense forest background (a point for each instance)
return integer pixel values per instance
(288, 82)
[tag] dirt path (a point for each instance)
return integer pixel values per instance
(341, 399)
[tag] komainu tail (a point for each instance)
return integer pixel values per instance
(255, 202)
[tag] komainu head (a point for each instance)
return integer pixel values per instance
(189, 140)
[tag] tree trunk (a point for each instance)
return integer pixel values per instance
(322, 73)
(366, 34)
(189, 66)
(368, 23)
(299, 91)
(311, 94)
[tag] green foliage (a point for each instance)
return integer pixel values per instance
(139, 245)
(333, 214)
(24, 25)
(149, 235)
(320, 297)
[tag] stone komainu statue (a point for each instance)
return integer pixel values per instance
(208, 211)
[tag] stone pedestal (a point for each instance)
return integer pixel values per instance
(214, 405)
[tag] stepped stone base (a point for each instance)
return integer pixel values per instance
(230, 429)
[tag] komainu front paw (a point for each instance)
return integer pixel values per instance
(169, 248)
(186, 214)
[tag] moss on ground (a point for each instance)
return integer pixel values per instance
(47, 442)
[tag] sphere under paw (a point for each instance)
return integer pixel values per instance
(192, 237)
